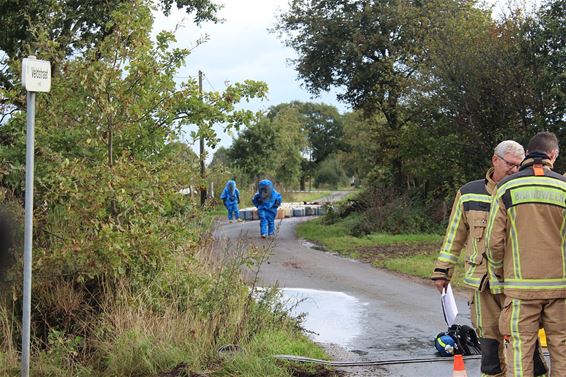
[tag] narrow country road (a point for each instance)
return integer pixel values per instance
(356, 311)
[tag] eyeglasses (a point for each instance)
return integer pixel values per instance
(510, 165)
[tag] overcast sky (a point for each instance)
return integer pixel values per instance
(242, 48)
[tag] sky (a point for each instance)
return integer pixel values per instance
(242, 47)
(239, 49)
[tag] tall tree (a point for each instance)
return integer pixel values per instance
(104, 134)
(371, 49)
(322, 127)
(291, 141)
(254, 151)
(62, 29)
(544, 49)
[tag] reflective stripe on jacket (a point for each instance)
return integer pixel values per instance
(526, 234)
(466, 230)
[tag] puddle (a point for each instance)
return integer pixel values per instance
(332, 317)
(313, 246)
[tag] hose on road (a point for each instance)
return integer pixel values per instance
(302, 359)
(232, 348)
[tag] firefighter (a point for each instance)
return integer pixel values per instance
(466, 230)
(267, 200)
(231, 198)
(526, 243)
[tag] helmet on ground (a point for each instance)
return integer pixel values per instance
(445, 344)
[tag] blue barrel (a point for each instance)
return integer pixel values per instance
(246, 214)
(298, 212)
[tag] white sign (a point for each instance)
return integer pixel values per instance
(36, 75)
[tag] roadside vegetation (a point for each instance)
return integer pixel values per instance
(127, 279)
(305, 196)
(429, 103)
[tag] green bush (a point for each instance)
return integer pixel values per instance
(381, 209)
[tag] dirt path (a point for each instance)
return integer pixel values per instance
(357, 312)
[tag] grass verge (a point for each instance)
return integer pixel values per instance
(304, 196)
(409, 254)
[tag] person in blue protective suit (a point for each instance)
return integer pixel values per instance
(267, 200)
(231, 198)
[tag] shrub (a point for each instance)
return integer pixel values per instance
(382, 209)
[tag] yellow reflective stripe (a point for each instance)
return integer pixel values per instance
(470, 272)
(479, 322)
(471, 281)
(475, 248)
(445, 254)
(491, 263)
(563, 235)
(537, 194)
(475, 198)
(534, 284)
(516, 338)
(492, 213)
(514, 243)
(446, 257)
(497, 265)
(494, 283)
(534, 181)
(531, 280)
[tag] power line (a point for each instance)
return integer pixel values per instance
(208, 81)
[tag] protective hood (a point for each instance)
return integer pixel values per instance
(231, 187)
(265, 190)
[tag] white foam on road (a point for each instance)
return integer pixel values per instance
(333, 317)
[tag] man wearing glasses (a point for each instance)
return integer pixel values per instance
(466, 230)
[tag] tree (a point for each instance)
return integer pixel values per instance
(290, 142)
(181, 152)
(220, 158)
(109, 166)
(254, 150)
(330, 173)
(544, 52)
(63, 29)
(370, 48)
(361, 144)
(321, 126)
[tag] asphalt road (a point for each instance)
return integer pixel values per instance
(356, 311)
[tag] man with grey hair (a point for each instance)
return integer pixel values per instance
(466, 230)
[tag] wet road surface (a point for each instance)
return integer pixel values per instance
(356, 311)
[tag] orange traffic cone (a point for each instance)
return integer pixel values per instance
(459, 370)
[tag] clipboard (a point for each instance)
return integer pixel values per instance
(449, 308)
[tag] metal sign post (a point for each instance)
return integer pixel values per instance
(36, 77)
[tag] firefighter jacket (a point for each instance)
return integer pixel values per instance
(526, 235)
(466, 230)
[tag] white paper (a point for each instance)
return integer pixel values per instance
(449, 308)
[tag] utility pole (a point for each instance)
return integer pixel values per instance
(201, 156)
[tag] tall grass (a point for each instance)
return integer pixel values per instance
(195, 304)
(8, 352)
